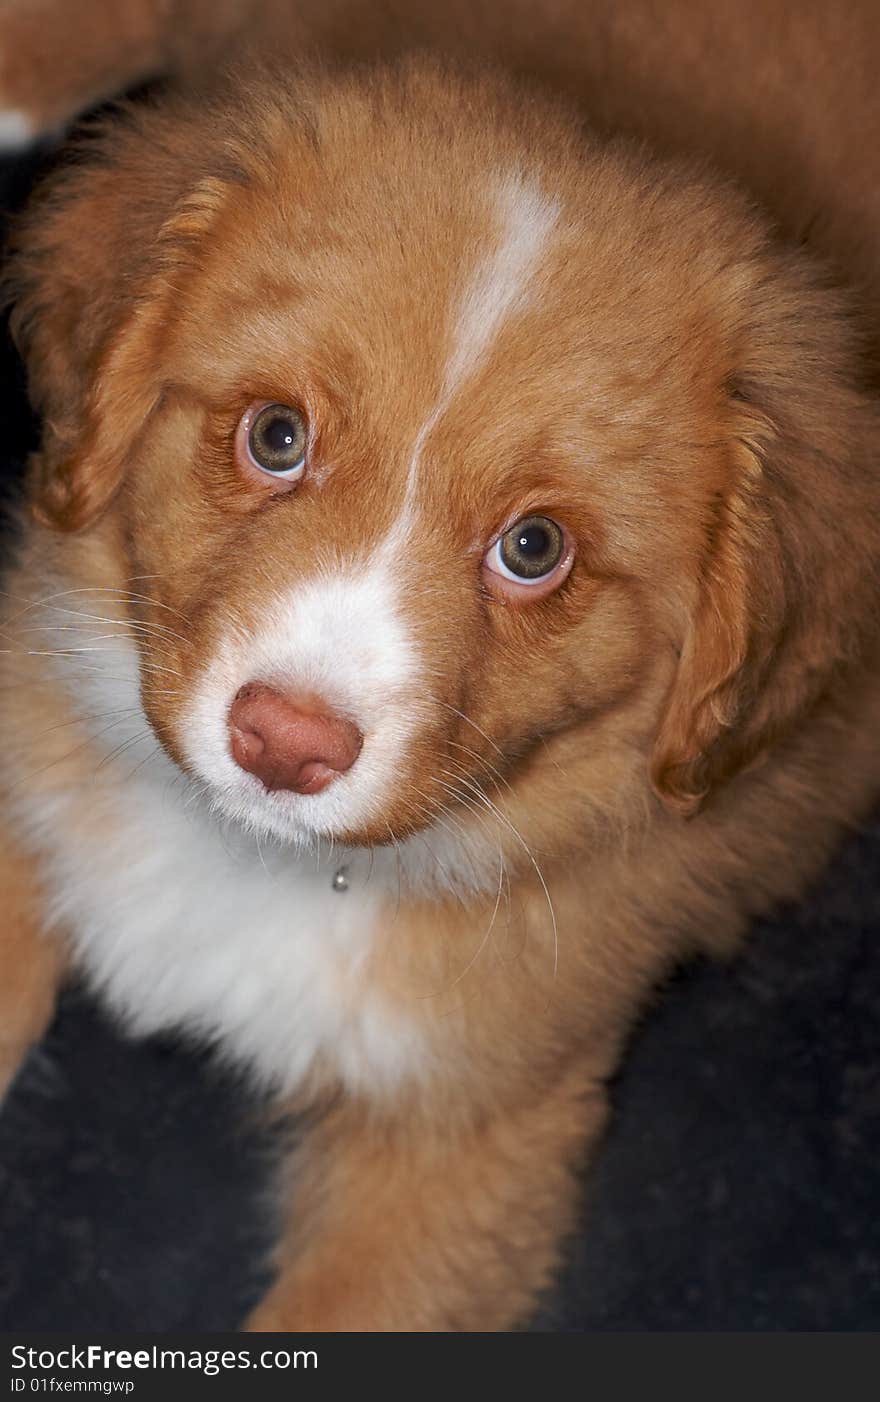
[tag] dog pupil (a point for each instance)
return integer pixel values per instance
(278, 435)
(533, 542)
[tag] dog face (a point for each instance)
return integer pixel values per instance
(461, 456)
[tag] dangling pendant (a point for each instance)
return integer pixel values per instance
(340, 880)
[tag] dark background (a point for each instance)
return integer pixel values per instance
(738, 1188)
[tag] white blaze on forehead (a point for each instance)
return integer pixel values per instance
(500, 286)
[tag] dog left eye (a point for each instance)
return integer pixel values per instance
(272, 438)
(530, 559)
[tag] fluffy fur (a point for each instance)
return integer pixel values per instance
(484, 312)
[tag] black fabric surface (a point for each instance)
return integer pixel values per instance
(737, 1189)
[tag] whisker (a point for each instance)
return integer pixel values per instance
(77, 651)
(481, 946)
(482, 797)
(154, 753)
(481, 760)
(450, 823)
(89, 740)
(112, 590)
(126, 630)
(120, 711)
(399, 886)
(270, 877)
(121, 749)
(468, 721)
(117, 596)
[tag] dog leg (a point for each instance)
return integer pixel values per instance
(414, 1225)
(31, 965)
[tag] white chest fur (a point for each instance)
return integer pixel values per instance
(184, 926)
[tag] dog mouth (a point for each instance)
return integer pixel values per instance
(306, 777)
(286, 764)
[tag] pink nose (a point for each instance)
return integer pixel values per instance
(287, 743)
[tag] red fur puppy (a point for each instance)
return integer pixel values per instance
(447, 599)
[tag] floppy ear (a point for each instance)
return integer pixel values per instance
(789, 576)
(81, 463)
(92, 284)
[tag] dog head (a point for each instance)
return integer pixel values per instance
(470, 461)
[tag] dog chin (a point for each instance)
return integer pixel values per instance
(423, 857)
(293, 820)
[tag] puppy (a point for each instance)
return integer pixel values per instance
(445, 599)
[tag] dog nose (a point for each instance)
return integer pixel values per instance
(289, 743)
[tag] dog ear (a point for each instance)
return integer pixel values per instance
(92, 286)
(786, 589)
(81, 463)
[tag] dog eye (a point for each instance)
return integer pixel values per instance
(272, 438)
(530, 550)
(530, 559)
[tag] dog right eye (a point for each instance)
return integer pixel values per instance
(272, 438)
